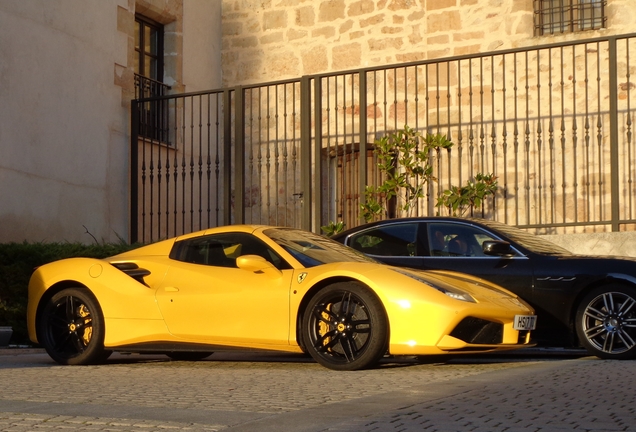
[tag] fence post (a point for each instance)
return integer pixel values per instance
(134, 172)
(308, 193)
(239, 156)
(362, 158)
(227, 156)
(613, 113)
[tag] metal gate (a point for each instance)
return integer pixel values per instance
(553, 122)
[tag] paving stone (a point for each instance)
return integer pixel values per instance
(274, 392)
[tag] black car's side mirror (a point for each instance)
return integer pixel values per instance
(497, 248)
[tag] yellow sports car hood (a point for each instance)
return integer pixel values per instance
(417, 284)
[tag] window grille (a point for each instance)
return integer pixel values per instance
(153, 115)
(566, 16)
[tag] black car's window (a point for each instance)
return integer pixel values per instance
(311, 249)
(447, 239)
(527, 240)
(398, 239)
(221, 250)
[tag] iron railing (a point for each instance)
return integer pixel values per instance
(153, 118)
(553, 122)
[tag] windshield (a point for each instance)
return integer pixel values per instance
(312, 250)
(529, 241)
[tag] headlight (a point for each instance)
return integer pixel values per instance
(449, 290)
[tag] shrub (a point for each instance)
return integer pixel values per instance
(459, 200)
(17, 262)
(405, 162)
(333, 228)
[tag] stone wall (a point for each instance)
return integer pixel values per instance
(490, 104)
(266, 40)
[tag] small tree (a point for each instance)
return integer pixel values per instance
(458, 200)
(333, 228)
(404, 160)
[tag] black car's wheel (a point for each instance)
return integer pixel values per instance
(606, 322)
(188, 355)
(71, 328)
(345, 327)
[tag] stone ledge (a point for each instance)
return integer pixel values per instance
(608, 243)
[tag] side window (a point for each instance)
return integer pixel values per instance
(221, 250)
(207, 251)
(148, 61)
(390, 240)
(446, 239)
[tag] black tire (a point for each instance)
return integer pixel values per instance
(188, 355)
(71, 328)
(345, 327)
(606, 322)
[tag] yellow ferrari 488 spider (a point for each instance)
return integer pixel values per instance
(260, 287)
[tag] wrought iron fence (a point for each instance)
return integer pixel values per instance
(153, 118)
(553, 122)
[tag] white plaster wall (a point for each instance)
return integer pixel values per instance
(56, 113)
(64, 128)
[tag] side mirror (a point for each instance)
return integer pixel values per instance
(497, 248)
(257, 264)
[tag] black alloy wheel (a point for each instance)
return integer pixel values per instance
(606, 322)
(71, 328)
(345, 327)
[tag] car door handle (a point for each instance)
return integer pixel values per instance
(171, 289)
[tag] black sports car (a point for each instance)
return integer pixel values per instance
(579, 299)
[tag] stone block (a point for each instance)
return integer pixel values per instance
(274, 19)
(331, 10)
(440, 4)
(361, 7)
(315, 60)
(326, 32)
(444, 21)
(305, 16)
(346, 56)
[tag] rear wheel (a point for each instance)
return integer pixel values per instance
(71, 328)
(345, 327)
(606, 322)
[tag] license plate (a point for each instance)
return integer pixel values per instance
(525, 322)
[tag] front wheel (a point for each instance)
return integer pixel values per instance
(71, 328)
(606, 322)
(345, 327)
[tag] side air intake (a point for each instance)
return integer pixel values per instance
(132, 270)
(478, 331)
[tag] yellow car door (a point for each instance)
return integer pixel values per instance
(204, 298)
(221, 304)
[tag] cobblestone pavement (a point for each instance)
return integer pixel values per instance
(274, 392)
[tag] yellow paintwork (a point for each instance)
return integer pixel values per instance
(234, 307)
(420, 316)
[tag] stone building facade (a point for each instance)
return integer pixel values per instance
(68, 171)
(269, 40)
(266, 40)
